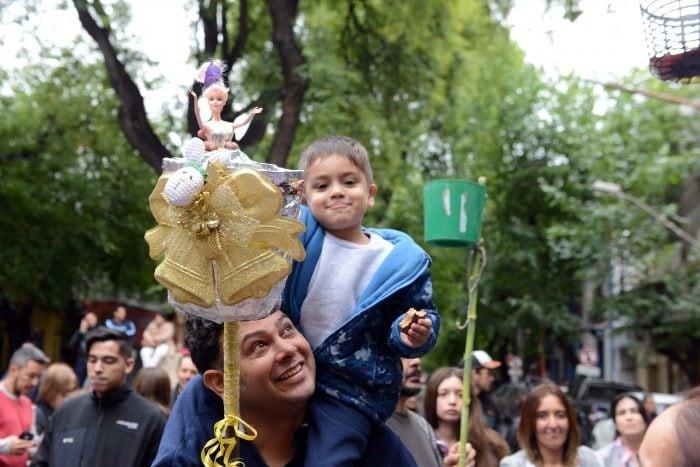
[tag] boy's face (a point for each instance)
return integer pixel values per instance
(338, 195)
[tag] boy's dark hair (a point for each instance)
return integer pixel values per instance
(341, 145)
(203, 338)
(103, 334)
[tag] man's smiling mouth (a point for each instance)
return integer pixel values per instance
(291, 372)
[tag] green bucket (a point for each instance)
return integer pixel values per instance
(452, 212)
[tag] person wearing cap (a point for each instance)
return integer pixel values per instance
(482, 383)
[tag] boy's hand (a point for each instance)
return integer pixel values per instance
(417, 333)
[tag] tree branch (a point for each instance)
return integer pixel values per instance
(132, 114)
(283, 13)
(661, 96)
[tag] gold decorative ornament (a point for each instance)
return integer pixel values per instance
(230, 243)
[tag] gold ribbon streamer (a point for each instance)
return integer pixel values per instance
(231, 428)
(222, 447)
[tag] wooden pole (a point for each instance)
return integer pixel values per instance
(477, 257)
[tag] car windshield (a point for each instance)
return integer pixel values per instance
(605, 392)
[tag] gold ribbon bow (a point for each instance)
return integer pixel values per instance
(230, 243)
(222, 445)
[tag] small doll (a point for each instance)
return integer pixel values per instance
(218, 133)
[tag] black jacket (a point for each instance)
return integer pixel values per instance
(121, 429)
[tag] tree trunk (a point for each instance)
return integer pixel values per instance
(132, 114)
(295, 82)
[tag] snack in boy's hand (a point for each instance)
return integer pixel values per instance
(412, 316)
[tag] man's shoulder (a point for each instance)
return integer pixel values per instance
(143, 405)
(386, 448)
(419, 419)
(72, 403)
(25, 400)
(76, 409)
(22, 399)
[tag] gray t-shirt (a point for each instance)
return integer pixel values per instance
(342, 273)
(418, 436)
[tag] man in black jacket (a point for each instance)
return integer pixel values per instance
(112, 425)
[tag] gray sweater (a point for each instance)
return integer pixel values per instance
(586, 458)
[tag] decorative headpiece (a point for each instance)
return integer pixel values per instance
(212, 73)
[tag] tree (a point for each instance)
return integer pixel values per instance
(73, 211)
(433, 89)
(132, 115)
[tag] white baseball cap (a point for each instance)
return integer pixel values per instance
(481, 359)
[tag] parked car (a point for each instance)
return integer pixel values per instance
(661, 400)
(592, 398)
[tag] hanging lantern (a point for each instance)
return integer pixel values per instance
(672, 29)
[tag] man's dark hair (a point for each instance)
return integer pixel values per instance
(203, 338)
(103, 334)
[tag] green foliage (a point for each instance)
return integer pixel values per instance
(73, 196)
(434, 89)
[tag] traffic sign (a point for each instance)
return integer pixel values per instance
(588, 356)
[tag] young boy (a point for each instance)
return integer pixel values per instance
(348, 298)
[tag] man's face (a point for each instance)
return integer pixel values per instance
(186, 370)
(276, 363)
(338, 195)
(25, 379)
(91, 319)
(120, 314)
(106, 367)
(411, 376)
(482, 380)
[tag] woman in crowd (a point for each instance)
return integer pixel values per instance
(154, 384)
(630, 419)
(57, 383)
(548, 433)
(443, 410)
(650, 407)
(157, 341)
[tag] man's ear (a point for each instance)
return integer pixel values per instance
(130, 362)
(214, 380)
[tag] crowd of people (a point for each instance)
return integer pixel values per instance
(333, 377)
(116, 423)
